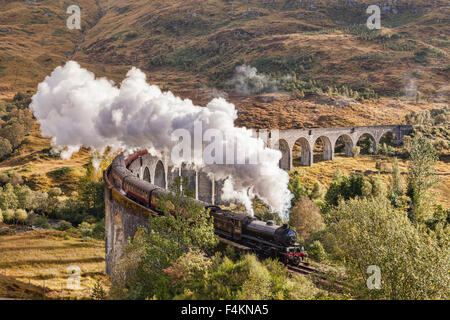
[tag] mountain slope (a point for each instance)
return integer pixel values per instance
(193, 46)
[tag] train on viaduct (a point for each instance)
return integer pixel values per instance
(123, 216)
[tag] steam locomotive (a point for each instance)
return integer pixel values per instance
(264, 238)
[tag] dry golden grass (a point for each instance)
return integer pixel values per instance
(31, 260)
(324, 171)
(32, 161)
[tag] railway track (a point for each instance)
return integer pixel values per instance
(304, 269)
(318, 277)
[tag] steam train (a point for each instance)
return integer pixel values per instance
(264, 238)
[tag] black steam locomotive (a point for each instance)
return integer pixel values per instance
(264, 238)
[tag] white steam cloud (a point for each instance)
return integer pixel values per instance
(75, 109)
(248, 81)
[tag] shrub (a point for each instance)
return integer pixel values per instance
(86, 229)
(344, 187)
(194, 276)
(21, 215)
(316, 251)
(64, 225)
(98, 291)
(1, 216)
(4, 179)
(297, 189)
(99, 230)
(413, 261)
(356, 151)
(8, 215)
(317, 191)
(90, 220)
(305, 218)
(421, 56)
(8, 198)
(42, 222)
(14, 132)
(5, 148)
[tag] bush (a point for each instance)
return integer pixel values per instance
(8, 215)
(5, 148)
(99, 230)
(413, 261)
(42, 222)
(21, 215)
(8, 198)
(305, 218)
(344, 187)
(98, 292)
(317, 191)
(64, 225)
(194, 276)
(14, 132)
(316, 251)
(1, 216)
(86, 229)
(297, 189)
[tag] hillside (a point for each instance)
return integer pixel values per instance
(194, 47)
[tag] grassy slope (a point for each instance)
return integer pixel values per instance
(323, 172)
(34, 40)
(40, 169)
(127, 33)
(36, 258)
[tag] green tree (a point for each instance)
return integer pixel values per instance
(413, 261)
(40, 204)
(8, 215)
(91, 191)
(168, 238)
(378, 186)
(305, 218)
(316, 251)
(194, 276)
(421, 178)
(86, 229)
(20, 216)
(5, 148)
(317, 191)
(8, 198)
(344, 187)
(14, 132)
(396, 190)
(25, 197)
(297, 189)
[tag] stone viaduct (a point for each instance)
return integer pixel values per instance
(123, 216)
(306, 139)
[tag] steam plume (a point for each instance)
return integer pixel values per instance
(75, 109)
(248, 81)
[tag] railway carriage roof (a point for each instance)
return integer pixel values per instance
(141, 184)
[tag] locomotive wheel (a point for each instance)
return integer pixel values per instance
(296, 261)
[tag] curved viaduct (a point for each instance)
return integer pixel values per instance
(123, 216)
